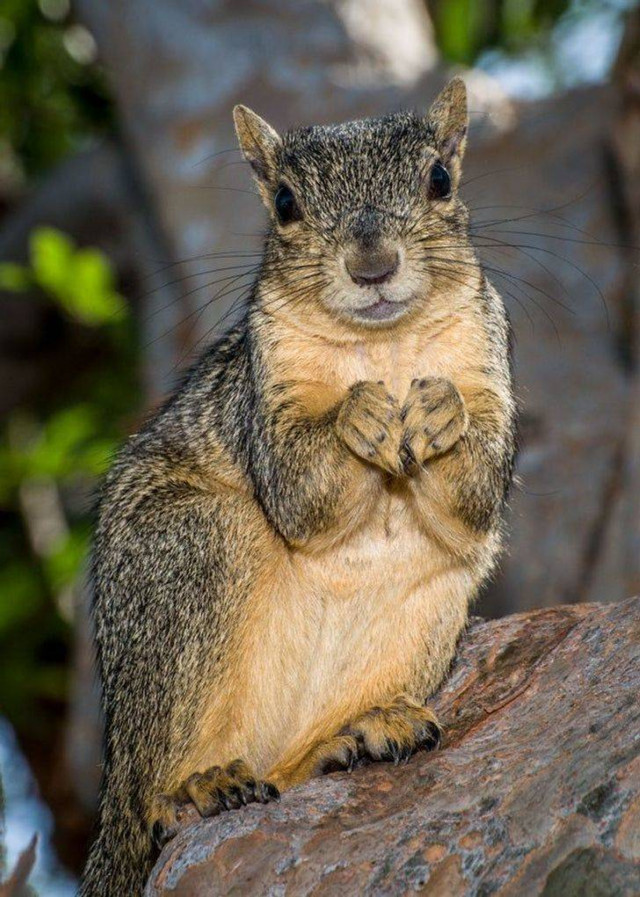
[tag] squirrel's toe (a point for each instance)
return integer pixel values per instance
(395, 731)
(167, 813)
(229, 787)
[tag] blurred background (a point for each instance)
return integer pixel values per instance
(129, 235)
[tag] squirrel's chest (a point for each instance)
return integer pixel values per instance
(395, 361)
(369, 607)
(346, 627)
(384, 560)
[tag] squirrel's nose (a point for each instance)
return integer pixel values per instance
(368, 268)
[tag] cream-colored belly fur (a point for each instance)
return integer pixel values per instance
(342, 630)
(336, 628)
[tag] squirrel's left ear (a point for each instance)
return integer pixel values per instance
(258, 141)
(448, 119)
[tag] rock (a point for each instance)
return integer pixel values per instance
(535, 790)
(548, 233)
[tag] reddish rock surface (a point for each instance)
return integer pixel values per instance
(535, 791)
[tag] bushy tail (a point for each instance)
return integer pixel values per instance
(119, 863)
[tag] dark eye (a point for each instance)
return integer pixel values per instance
(286, 206)
(439, 182)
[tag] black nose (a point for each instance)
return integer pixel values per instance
(368, 268)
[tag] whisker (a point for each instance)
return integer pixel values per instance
(232, 149)
(203, 257)
(486, 174)
(602, 243)
(560, 220)
(577, 268)
(183, 277)
(198, 312)
(225, 189)
(445, 273)
(552, 210)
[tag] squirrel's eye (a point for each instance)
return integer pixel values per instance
(286, 206)
(439, 182)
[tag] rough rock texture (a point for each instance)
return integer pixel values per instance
(535, 791)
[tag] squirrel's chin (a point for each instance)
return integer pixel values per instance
(381, 312)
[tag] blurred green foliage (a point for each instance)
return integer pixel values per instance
(464, 28)
(53, 101)
(80, 280)
(53, 97)
(49, 463)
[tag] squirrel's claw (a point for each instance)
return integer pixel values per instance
(395, 731)
(167, 814)
(211, 792)
(268, 792)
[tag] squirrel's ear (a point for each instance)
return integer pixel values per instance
(258, 141)
(449, 120)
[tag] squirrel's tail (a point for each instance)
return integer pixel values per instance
(120, 861)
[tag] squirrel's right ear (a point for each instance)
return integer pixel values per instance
(258, 141)
(449, 120)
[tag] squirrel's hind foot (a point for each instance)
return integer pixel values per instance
(211, 792)
(392, 732)
(395, 731)
(334, 754)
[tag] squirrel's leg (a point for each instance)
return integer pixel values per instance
(317, 470)
(458, 449)
(388, 732)
(213, 791)
(173, 571)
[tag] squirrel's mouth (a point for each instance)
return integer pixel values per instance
(382, 310)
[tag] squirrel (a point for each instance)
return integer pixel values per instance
(285, 554)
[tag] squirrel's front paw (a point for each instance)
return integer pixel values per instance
(369, 424)
(434, 417)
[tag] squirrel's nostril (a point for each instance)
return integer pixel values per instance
(372, 268)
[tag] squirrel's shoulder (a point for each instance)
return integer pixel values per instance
(208, 392)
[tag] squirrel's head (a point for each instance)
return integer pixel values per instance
(365, 216)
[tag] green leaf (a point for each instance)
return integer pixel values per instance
(51, 254)
(94, 300)
(63, 566)
(81, 281)
(461, 25)
(56, 453)
(96, 457)
(13, 467)
(518, 19)
(20, 594)
(14, 277)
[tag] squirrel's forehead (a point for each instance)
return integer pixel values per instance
(360, 146)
